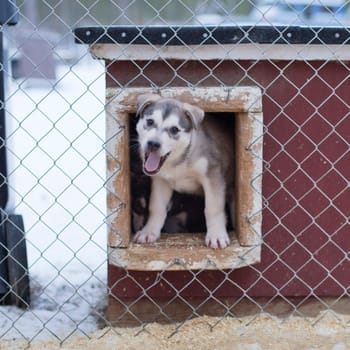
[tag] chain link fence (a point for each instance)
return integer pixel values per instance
(55, 176)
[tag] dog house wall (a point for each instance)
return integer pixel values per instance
(305, 104)
(289, 115)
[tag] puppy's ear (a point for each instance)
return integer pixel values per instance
(195, 114)
(144, 101)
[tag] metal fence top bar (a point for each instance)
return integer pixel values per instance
(212, 35)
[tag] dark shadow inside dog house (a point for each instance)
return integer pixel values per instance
(185, 212)
(240, 110)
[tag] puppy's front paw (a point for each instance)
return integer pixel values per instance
(146, 236)
(216, 241)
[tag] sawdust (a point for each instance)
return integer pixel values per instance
(329, 331)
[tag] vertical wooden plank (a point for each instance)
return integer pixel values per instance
(118, 175)
(248, 177)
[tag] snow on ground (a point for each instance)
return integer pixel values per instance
(57, 174)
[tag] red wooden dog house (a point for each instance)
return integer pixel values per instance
(303, 74)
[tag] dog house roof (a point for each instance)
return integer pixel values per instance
(211, 35)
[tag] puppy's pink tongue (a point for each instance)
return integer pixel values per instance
(152, 162)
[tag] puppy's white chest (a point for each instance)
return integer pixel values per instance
(187, 177)
(186, 185)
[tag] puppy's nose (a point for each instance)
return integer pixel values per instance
(153, 145)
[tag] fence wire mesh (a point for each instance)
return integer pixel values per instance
(55, 147)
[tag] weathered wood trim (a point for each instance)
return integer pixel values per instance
(187, 251)
(295, 52)
(118, 178)
(210, 99)
(249, 131)
(183, 252)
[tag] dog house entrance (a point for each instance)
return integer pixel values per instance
(128, 189)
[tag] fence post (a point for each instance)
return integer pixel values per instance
(13, 254)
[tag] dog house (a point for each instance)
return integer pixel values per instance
(286, 88)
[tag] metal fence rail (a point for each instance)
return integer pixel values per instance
(55, 147)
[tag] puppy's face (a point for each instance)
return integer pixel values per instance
(164, 130)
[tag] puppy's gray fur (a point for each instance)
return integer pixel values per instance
(185, 151)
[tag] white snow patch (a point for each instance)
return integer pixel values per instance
(55, 140)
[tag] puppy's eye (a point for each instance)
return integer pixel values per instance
(149, 111)
(149, 122)
(174, 130)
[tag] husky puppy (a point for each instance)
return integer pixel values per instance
(185, 212)
(183, 150)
